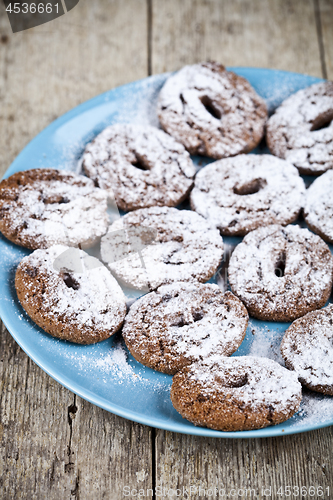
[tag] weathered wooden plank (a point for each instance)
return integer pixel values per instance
(275, 34)
(54, 445)
(52, 441)
(49, 69)
(326, 18)
(253, 464)
(34, 429)
(111, 454)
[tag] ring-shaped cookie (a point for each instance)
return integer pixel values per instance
(301, 129)
(139, 166)
(307, 348)
(318, 209)
(184, 322)
(281, 273)
(212, 111)
(154, 246)
(70, 294)
(242, 193)
(44, 207)
(236, 394)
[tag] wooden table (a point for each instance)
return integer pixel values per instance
(54, 444)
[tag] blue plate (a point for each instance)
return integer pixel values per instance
(105, 374)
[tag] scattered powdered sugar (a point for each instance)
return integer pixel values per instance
(110, 364)
(315, 409)
(115, 362)
(266, 343)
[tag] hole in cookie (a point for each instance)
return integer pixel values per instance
(161, 347)
(212, 107)
(322, 121)
(69, 280)
(280, 266)
(197, 316)
(179, 322)
(55, 199)
(235, 381)
(251, 187)
(139, 163)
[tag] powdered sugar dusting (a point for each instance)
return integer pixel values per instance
(142, 166)
(115, 361)
(266, 344)
(281, 273)
(253, 381)
(242, 193)
(212, 111)
(295, 131)
(318, 210)
(45, 207)
(90, 301)
(315, 409)
(183, 322)
(307, 348)
(186, 248)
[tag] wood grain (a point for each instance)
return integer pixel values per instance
(53, 441)
(47, 70)
(34, 428)
(252, 464)
(277, 34)
(110, 453)
(54, 445)
(326, 18)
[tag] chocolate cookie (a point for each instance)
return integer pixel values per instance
(70, 295)
(43, 207)
(307, 348)
(301, 129)
(139, 166)
(242, 193)
(212, 111)
(184, 247)
(236, 394)
(318, 210)
(184, 322)
(281, 273)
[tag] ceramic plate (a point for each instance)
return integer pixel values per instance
(106, 374)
